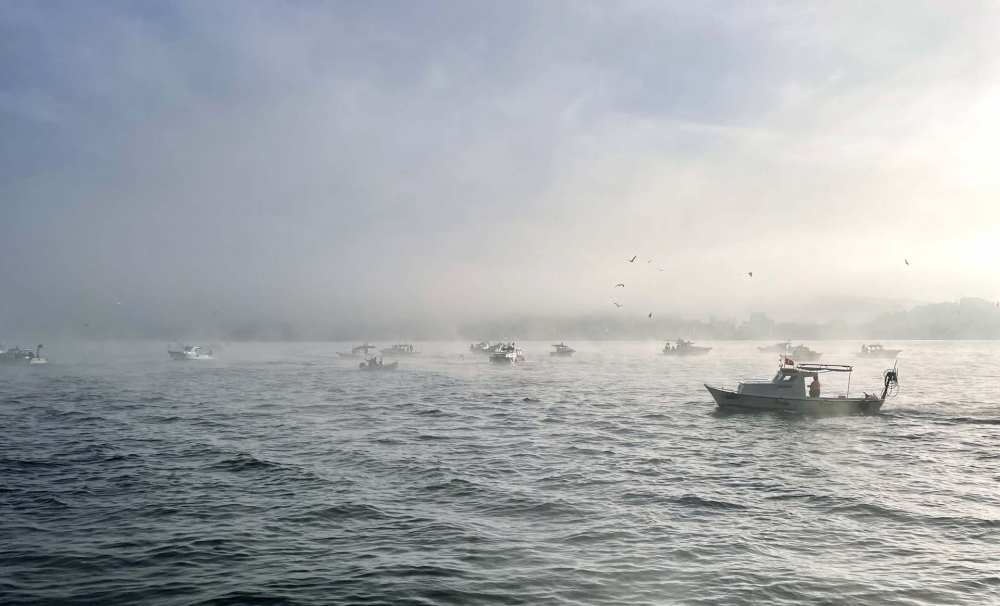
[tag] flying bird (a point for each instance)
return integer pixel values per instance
(617, 285)
(617, 305)
(905, 261)
(632, 260)
(751, 273)
(650, 261)
(650, 314)
(659, 269)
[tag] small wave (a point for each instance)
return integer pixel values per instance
(530, 400)
(338, 513)
(696, 501)
(455, 487)
(245, 462)
(27, 464)
(973, 421)
(241, 598)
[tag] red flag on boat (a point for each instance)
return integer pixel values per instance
(789, 362)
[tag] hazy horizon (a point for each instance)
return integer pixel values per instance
(332, 169)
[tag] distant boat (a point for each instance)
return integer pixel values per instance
(17, 355)
(684, 348)
(801, 353)
(361, 350)
(374, 365)
(782, 348)
(562, 350)
(507, 354)
(189, 352)
(401, 349)
(877, 351)
(484, 348)
(788, 391)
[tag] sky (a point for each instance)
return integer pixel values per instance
(320, 168)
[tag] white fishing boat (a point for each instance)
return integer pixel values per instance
(877, 351)
(484, 348)
(801, 353)
(507, 354)
(782, 348)
(18, 355)
(562, 350)
(684, 348)
(189, 352)
(788, 391)
(361, 350)
(374, 365)
(401, 349)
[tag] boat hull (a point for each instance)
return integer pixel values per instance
(20, 361)
(563, 354)
(688, 351)
(180, 355)
(888, 353)
(505, 360)
(821, 406)
(379, 368)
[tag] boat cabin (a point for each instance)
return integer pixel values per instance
(792, 382)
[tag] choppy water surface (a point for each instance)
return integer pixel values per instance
(282, 475)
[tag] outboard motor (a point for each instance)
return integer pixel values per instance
(891, 378)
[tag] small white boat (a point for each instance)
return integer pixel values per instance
(801, 353)
(877, 351)
(374, 365)
(484, 348)
(507, 354)
(401, 349)
(784, 347)
(189, 352)
(788, 391)
(18, 355)
(562, 350)
(684, 348)
(361, 350)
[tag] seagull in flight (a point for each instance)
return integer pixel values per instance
(650, 314)
(632, 260)
(617, 285)
(751, 273)
(905, 261)
(617, 305)
(650, 261)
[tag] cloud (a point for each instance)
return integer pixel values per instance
(328, 165)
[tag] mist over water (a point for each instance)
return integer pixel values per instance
(278, 181)
(278, 473)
